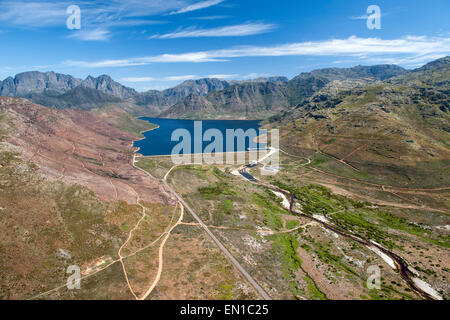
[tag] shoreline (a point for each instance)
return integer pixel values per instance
(136, 149)
(188, 119)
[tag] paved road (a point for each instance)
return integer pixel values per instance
(219, 244)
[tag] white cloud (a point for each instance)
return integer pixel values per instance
(155, 87)
(178, 78)
(91, 35)
(363, 48)
(366, 16)
(223, 76)
(104, 15)
(210, 18)
(181, 78)
(227, 31)
(254, 75)
(363, 17)
(198, 6)
(33, 14)
(168, 78)
(134, 23)
(95, 15)
(415, 61)
(138, 79)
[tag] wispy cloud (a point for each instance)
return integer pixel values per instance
(197, 6)
(363, 17)
(254, 75)
(366, 16)
(223, 76)
(178, 78)
(409, 47)
(181, 78)
(134, 22)
(33, 14)
(91, 35)
(168, 78)
(138, 79)
(415, 61)
(96, 15)
(240, 30)
(210, 18)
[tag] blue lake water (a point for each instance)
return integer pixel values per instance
(158, 141)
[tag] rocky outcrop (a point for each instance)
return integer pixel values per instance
(52, 84)
(26, 83)
(105, 84)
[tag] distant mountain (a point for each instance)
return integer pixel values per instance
(80, 97)
(107, 85)
(23, 84)
(201, 87)
(435, 74)
(380, 72)
(169, 97)
(255, 98)
(278, 79)
(37, 82)
(191, 105)
(434, 65)
(245, 100)
(263, 97)
(396, 129)
(305, 84)
(62, 91)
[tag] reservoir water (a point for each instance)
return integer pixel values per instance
(159, 141)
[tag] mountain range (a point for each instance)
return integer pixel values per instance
(203, 98)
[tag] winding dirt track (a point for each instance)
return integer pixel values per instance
(212, 236)
(160, 256)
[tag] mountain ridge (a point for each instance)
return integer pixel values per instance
(258, 99)
(201, 98)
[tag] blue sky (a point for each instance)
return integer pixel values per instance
(155, 44)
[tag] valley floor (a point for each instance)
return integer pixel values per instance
(293, 256)
(72, 192)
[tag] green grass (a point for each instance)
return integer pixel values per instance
(225, 291)
(314, 292)
(374, 224)
(216, 190)
(156, 167)
(291, 224)
(327, 257)
(352, 215)
(286, 246)
(227, 206)
(135, 126)
(316, 199)
(7, 158)
(356, 222)
(219, 174)
(271, 211)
